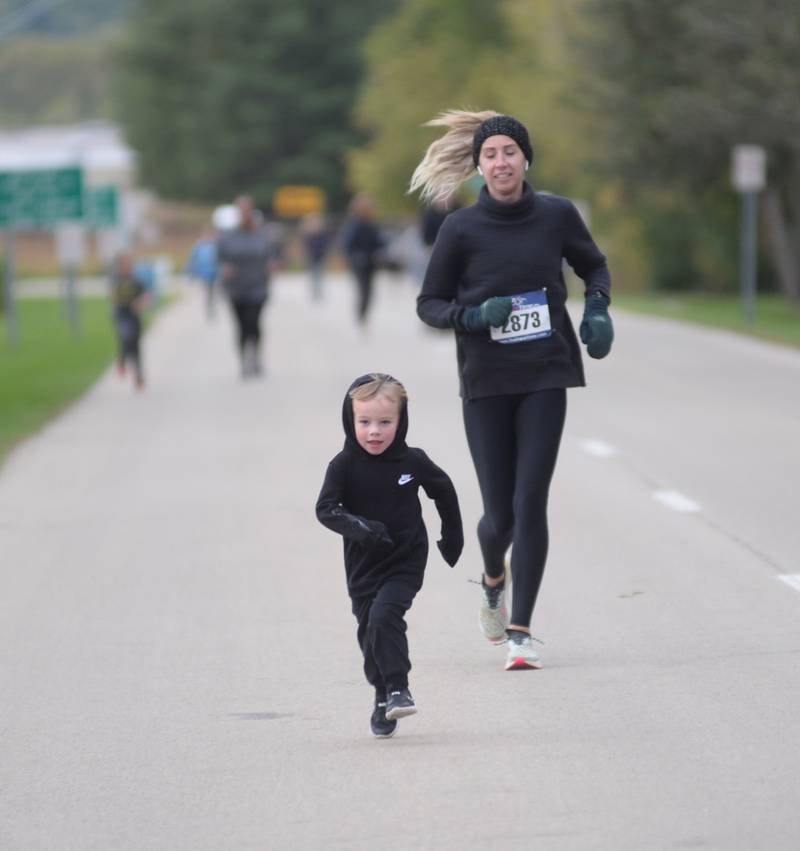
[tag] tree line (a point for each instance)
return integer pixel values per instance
(633, 105)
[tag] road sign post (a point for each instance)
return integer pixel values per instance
(71, 250)
(749, 178)
(9, 304)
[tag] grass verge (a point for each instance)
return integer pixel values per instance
(776, 319)
(49, 368)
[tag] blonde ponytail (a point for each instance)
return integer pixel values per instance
(448, 161)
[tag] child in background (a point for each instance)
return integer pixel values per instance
(202, 266)
(129, 297)
(369, 496)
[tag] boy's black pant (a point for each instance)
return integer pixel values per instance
(382, 634)
(129, 331)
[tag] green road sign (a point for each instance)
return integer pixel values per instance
(102, 207)
(41, 198)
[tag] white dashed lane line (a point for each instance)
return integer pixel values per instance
(671, 499)
(676, 501)
(598, 448)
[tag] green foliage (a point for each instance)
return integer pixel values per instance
(242, 96)
(673, 86)
(412, 66)
(633, 106)
(509, 56)
(75, 18)
(53, 81)
(691, 241)
(685, 80)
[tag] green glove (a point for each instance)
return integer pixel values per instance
(494, 311)
(597, 330)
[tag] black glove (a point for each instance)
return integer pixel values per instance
(373, 532)
(494, 311)
(379, 534)
(450, 547)
(597, 330)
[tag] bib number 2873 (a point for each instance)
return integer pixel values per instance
(529, 319)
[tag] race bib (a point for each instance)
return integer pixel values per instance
(529, 319)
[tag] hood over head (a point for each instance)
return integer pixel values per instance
(398, 445)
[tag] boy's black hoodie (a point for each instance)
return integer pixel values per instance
(369, 499)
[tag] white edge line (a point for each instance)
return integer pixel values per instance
(791, 579)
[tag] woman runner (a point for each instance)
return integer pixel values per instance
(495, 277)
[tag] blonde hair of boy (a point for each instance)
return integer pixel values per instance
(448, 161)
(380, 385)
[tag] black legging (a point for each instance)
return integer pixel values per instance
(364, 271)
(514, 444)
(248, 314)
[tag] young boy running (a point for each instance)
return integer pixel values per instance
(369, 497)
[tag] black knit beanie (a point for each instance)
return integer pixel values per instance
(502, 125)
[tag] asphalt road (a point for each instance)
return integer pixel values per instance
(179, 666)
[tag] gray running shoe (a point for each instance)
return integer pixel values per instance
(522, 655)
(493, 614)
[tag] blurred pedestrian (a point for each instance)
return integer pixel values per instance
(430, 220)
(316, 238)
(362, 243)
(247, 259)
(129, 296)
(202, 266)
(495, 277)
(370, 497)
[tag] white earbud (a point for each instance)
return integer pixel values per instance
(479, 171)
(527, 165)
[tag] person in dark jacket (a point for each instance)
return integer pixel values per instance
(369, 497)
(495, 278)
(362, 243)
(316, 237)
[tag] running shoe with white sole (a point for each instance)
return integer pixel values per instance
(380, 726)
(522, 655)
(399, 704)
(493, 614)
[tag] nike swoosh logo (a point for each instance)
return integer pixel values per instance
(405, 479)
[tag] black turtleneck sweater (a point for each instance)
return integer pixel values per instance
(360, 487)
(505, 249)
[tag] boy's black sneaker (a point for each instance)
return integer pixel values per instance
(380, 726)
(399, 704)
